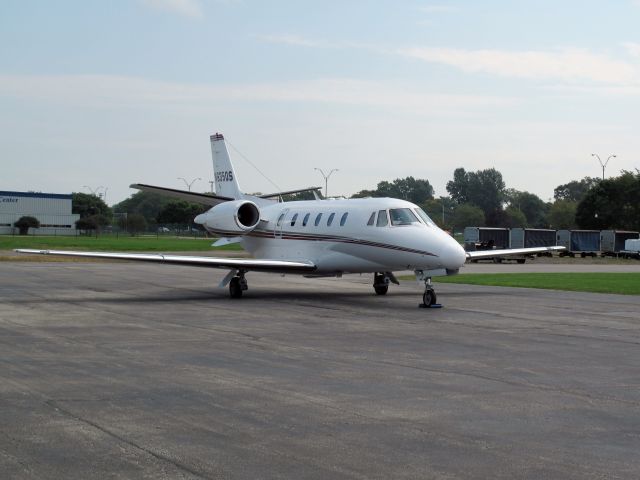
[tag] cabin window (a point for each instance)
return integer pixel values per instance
(280, 218)
(330, 219)
(372, 219)
(318, 217)
(425, 218)
(305, 219)
(383, 221)
(293, 219)
(344, 219)
(402, 216)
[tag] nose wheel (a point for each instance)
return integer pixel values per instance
(429, 298)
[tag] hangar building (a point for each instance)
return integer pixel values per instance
(52, 210)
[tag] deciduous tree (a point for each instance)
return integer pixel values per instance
(483, 188)
(25, 223)
(613, 203)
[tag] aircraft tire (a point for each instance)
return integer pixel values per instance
(381, 289)
(235, 289)
(429, 297)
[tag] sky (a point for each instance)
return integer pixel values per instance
(95, 95)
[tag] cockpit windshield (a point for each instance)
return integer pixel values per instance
(425, 218)
(402, 216)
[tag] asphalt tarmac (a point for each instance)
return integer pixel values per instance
(122, 370)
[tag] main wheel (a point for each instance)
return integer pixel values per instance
(429, 297)
(381, 289)
(380, 284)
(235, 289)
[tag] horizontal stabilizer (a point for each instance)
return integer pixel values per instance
(200, 198)
(278, 266)
(479, 254)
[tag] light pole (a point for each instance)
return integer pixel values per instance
(603, 165)
(104, 194)
(93, 190)
(326, 179)
(188, 184)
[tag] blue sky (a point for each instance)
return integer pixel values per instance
(112, 93)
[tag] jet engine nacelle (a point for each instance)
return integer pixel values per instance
(238, 217)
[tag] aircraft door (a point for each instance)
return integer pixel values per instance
(277, 231)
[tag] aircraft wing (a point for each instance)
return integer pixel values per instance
(201, 198)
(290, 192)
(479, 254)
(277, 266)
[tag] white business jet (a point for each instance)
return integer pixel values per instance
(314, 238)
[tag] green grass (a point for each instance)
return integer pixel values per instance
(622, 283)
(113, 243)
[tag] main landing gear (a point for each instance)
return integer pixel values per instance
(381, 282)
(237, 285)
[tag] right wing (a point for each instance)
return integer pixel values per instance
(479, 254)
(201, 198)
(276, 266)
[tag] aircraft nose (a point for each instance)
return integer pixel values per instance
(453, 255)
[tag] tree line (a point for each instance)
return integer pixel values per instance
(475, 198)
(481, 198)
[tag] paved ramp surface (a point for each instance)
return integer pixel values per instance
(147, 371)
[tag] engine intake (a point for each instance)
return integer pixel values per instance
(238, 217)
(248, 215)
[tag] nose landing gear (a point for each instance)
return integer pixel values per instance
(429, 298)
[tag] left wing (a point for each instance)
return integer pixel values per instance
(479, 254)
(200, 198)
(277, 266)
(290, 192)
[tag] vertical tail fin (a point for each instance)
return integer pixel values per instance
(224, 175)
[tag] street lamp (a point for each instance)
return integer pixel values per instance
(603, 165)
(188, 184)
(93, 190)
(326, 179)
(442, 202)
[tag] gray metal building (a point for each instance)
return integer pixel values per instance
(52, 210)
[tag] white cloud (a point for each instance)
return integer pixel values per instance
(187, 8)
(107, 91)
(300, 41)
(292, 39)
(633, 49)
(569, 64)
(439, 9)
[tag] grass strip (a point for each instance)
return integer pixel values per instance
(606, 282)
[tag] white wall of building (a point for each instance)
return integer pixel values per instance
(52, 210)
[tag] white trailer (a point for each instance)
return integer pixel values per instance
(631, 248)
